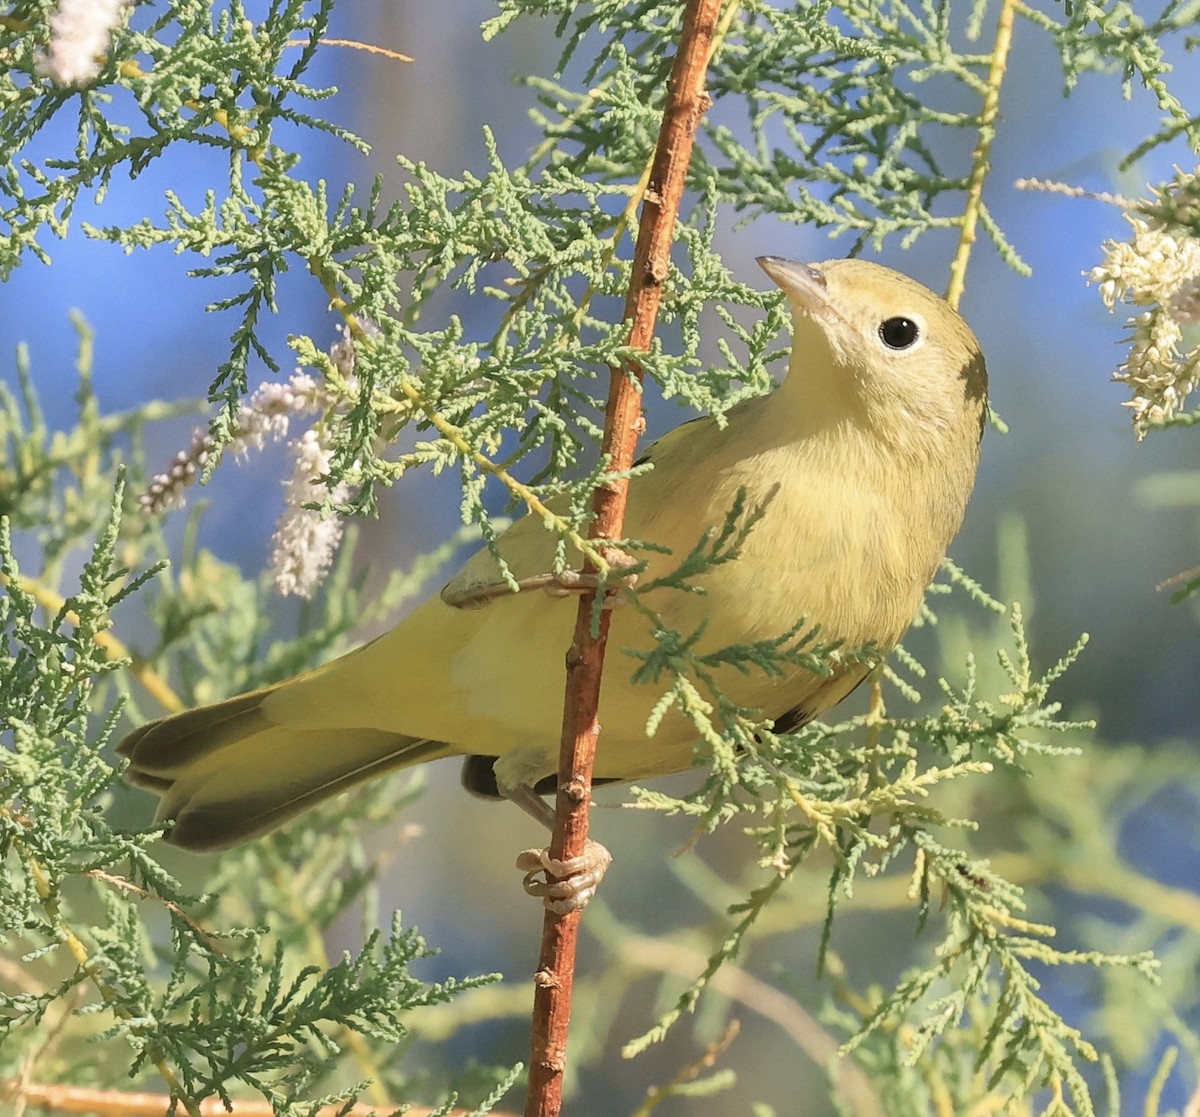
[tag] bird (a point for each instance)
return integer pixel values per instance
(859, 464)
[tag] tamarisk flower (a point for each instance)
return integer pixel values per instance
(265, 416)
(80, 32)
(1158, 269)
(306, 538)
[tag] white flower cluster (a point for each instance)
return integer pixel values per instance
(1158, 270)
(80, 31)
(165, 490)
(306, 539)
(264, 417)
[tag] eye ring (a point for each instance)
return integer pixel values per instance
(899, 332)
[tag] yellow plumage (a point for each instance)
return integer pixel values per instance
(862, 460)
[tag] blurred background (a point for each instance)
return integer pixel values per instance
(1064, 517)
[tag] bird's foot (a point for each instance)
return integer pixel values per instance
(564, 885)
(563, 583)
(577, 581)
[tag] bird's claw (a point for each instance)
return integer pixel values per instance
(564, 885)
(569, 582)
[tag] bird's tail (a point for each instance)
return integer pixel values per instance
(226, 773)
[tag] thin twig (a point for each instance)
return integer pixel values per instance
(123, 1103)
(981, 156)
(656, 1095)
(354, 44)
(686, 103)
(174, 908)
(785, 1012)
(88, 964)
(67, 1009)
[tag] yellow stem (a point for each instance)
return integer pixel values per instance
(455, 437)
(88, 965)
(1013, 923)
(1151, 1106)
(114, 649)
(354, 44)
(980, 158)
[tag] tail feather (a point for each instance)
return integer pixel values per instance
(162, 750)
(226, 773)
(269, 778)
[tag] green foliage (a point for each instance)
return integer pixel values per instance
(1117, 36)
(206, 992)
(214, 78)
(862, 797)
(857, 117)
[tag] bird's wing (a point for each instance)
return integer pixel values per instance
(533, 549)
(530, 550)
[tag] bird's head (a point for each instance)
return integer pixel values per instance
(880, 344)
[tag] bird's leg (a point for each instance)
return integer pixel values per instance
(564, 885)
(564, 583)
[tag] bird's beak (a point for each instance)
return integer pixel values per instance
(803, 284)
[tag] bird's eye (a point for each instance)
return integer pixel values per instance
(899, 333)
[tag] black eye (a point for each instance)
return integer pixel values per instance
(899, 333)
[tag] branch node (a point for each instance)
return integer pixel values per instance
(544, 979)
(575, 789)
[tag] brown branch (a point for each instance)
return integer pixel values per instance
(122, 1103)
(686, 103)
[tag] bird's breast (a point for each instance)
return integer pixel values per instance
(834, 544)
